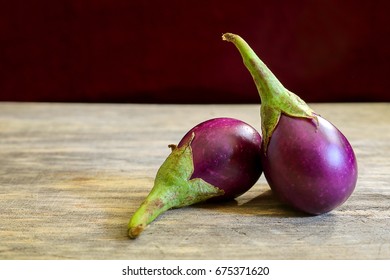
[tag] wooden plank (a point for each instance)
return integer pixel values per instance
(71, 175)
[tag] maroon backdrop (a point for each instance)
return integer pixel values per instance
(171, 51)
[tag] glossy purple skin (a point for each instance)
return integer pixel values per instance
(312, 169)
(227, 154)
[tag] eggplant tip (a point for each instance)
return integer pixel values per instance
(135, 231)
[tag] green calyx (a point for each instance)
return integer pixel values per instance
(275, 98)
(172, 188)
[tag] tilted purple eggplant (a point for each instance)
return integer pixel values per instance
(306, 160)
(217, 159)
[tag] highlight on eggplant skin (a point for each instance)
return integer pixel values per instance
(313, 168)
(306, 160)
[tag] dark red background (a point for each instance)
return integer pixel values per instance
(171, 51)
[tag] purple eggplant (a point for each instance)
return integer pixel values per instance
(216, 160)
(307, 161)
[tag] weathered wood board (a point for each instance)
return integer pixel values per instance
(71, 175)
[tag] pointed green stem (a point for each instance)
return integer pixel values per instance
(275, 98)
(172, 188)
(154, 205)
(266, 82)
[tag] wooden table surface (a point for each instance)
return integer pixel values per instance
(71, 175)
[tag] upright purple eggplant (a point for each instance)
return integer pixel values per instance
(306, 160)
(217, 159)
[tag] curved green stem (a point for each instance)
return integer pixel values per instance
(275, 98)
(172, 188)
(153, 206)
(266, 82)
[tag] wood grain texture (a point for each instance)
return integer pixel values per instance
(71, 175)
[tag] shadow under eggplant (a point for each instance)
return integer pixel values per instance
(265, 204)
